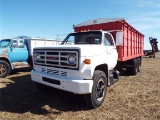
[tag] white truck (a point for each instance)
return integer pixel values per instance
(83, 64)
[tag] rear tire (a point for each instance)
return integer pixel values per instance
(134, 69)
(98, 94)
(139, 64)
(5, 69)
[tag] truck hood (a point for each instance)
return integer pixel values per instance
(86, 50)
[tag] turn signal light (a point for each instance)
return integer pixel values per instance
(87, 61)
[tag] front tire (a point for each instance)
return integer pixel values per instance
(5, 69)
(98, 94)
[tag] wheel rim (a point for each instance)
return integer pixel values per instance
(3, 69)
(100, 89)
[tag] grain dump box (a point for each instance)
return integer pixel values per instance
(132, 46)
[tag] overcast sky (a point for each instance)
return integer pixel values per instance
(48, 18)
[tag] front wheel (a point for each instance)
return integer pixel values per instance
(4, 69)
(98, 94)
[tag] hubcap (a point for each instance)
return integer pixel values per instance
(100, 89)
(3, 69)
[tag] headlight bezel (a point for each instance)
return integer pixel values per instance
(37, 57)
(71, 59)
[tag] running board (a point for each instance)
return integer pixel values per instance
(20, 65)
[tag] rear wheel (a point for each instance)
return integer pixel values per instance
(134, 69)
(139, 64)
(98, 94)
(4, 69)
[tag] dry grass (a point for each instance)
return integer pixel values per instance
(132, 97)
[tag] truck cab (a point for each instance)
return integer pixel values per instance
(83, 64)
(102, 42)
(13, 54)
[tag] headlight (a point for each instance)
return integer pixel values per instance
(71, 59)
(37, 57)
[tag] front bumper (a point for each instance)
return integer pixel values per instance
(70, 85)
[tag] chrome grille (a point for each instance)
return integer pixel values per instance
(56, 58)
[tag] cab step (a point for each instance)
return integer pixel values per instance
(113, 77)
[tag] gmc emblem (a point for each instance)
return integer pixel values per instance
(51, 58)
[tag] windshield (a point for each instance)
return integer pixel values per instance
(83, 38)
(4, 42)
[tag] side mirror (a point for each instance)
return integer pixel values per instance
(119, 38)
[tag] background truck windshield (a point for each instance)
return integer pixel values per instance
(83, 38)
(4, 42)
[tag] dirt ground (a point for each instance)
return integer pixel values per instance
(132, 97)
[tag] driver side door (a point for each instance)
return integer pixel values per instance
(17, 51)
(111, 50)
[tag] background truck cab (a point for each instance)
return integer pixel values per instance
(17, 52)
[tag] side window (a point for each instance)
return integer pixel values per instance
(14, 43)
(21, 44)
(108, 41)
(17, 43)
